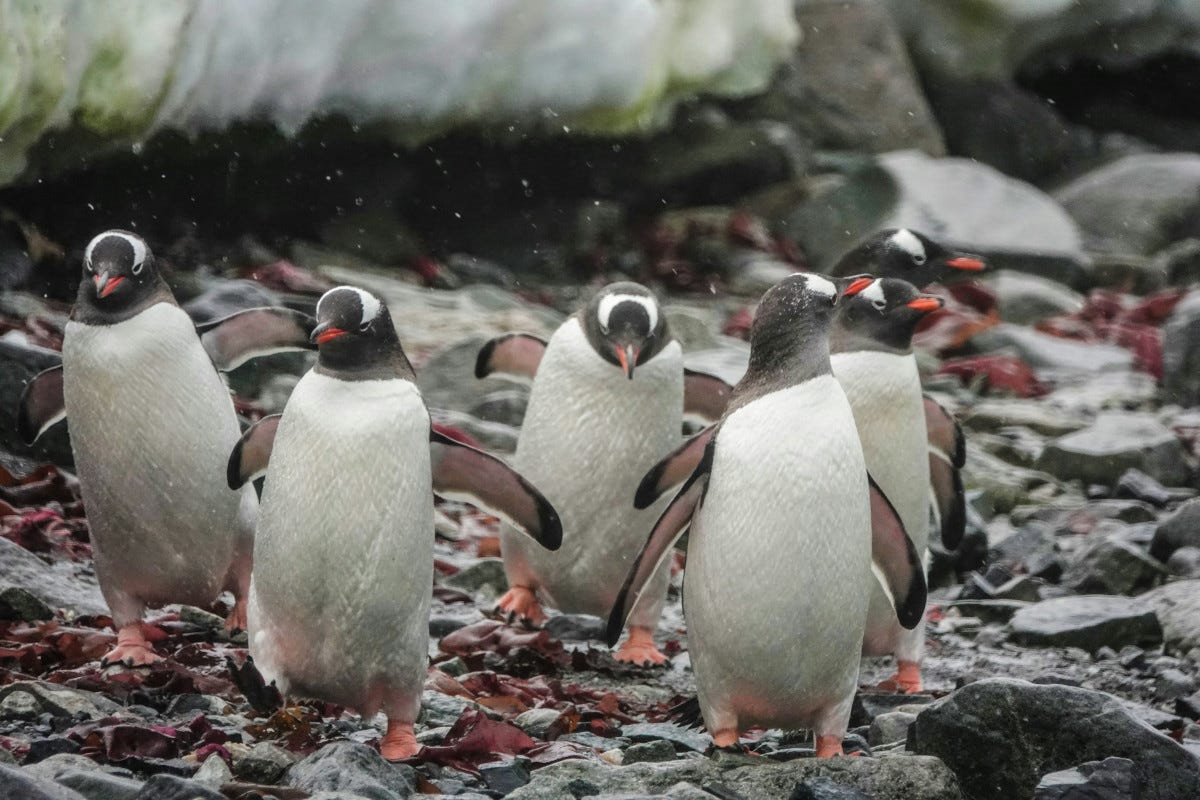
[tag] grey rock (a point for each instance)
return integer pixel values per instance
(659, 750)
(484, 572)
(213, 773)
(1024, 299)
(504, 777)
(1000, 735)
(1046, 352)
(825, 789)
(1110, 565)
(352, 767)
(20, 705)
(173, 787)
(1185, 562)
(676, 734)
(1139, 203)
(60, 585)
(1173, 683)
(503, 406)
(1087, 621)
(575, 627)
(265, 763)
(1180, 262)
(17, 603)
(62, 702)
(1178, 607)
(19, 362)
(1116, 442)
(1110, 779)
(849, 85)
(1104, 391)
(95, 785)
(1181, 352)
(890, 727)
(17, 783)
(1181, 529)
(536, 721)
(995, 413)
(439, 709)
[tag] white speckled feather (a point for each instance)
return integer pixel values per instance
(151, 427)
(777, 556)
(339, 604)
(589, 436)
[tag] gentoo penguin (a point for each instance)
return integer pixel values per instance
(343, 572)
(914, 257)
(151, 424)
(872, 358)
(607, 401)
(786, 529)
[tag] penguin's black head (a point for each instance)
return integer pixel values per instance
(789, 339)
(904, 253)
(625, 325)
(119, 273)
(879, 314)
(355, 337)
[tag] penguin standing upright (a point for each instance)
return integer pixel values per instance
(609, 391)
(339, 603)
(151, 423)
(872, 358)
(786, 528)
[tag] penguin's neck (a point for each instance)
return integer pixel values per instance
(89, 312)
(369, 360)
(845, 338)
(780, 359)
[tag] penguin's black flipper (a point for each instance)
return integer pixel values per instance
(252, 452)
(670, 526)
(704, 396)
(462, 472)
(672, 470)
(947, 454)
(517, 354)
(895, 561)
(234, 340)
(41, 404)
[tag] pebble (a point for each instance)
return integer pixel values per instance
(264, 763)
(890, 727)
(213, 773)
(658, 750)
(536, 721)
(486, 572)
(504, 777)
(1172, 683)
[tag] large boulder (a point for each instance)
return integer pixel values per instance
(1114, 443)
(1178, 607)
(1001, 735)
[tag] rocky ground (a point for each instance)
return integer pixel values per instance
(1064, 634)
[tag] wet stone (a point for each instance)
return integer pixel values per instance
(826, 789)
(575, 627)
(1111, 565)
(95, 785)
(1172, 683)
(17, 783)
(20, 705)
(265, 763)
(1137, 485)
(676, 734)
(1086, 621)
(1110, 779)
(1116, 442)
(536, 721)
(1181, 529)
(173, 787)
(53, 745)
(213, 773)
(17, 603)
(352, 767)
(890, 727)
(660, 750)
(484, 572)
(504, 777)
(1185, 562)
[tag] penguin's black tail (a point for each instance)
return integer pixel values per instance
(687, 713)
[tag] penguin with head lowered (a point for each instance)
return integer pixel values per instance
(786, 528)
(343, 573)
(872, 358)
(609, 391)
(151, 424)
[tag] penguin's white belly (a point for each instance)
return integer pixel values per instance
(589, 436)
(884, 391)
(343, 574)
(152, 425)
(778, 556)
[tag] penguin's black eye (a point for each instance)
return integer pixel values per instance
(363, 327)
(879, 304)
(138, 267)
(918, 259)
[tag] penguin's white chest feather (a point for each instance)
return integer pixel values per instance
(778, 556)
(152, 425)
(589, 436)
(344, 550)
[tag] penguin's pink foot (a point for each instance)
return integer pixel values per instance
(132, 649)
(236, 620)
(907, 679)
(519, 604)
(829, 746)
(399, 742)
(639, 649)
(725, 738)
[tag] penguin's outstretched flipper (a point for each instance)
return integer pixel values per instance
(461, 472)
(672, 470)
(234, 340)
(250, 455)
(670, 526)
(514, 354)
(947, 454)
(895, 561)
(41, 404)
(704, 396)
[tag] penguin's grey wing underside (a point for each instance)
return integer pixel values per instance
(672, 470)
(234, 340)
(704, 396)
(895, 560)
(462, 472)
(252, 453)
(41, 404)
(674, 520)
(947, 454)
(516, 354)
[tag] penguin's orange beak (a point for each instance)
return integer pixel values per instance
(627, 356)
(106, 285)
(926, 304)
(327, 335)
(968, 263)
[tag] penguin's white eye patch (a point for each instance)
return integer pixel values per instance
(907, 241)
(370, 307)
(874, 293)
(820, 285)
(608, 303)
(138, 267)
